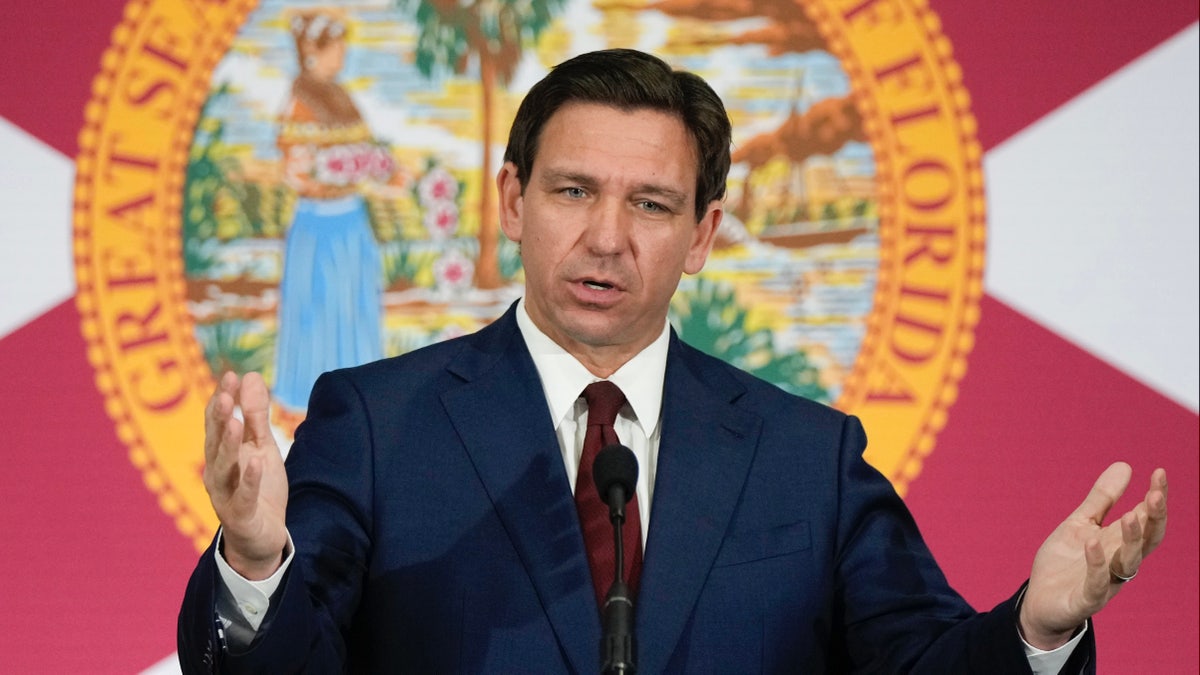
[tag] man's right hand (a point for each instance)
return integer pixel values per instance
(245, 477)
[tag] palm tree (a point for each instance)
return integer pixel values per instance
(495, 32)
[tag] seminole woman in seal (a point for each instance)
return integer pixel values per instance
(330, 304)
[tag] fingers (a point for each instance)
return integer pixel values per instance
(243, 473)
(226, 435)
(218, 413)
(1128, 557)
(255, 402)
(1097, 579)
(245, 499)
(1141, 529)
(222, 433)
(1156, 512)
(1105, 492)
(1158, 479)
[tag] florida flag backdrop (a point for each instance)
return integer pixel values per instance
(1072, 167)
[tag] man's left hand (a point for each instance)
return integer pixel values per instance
(1083, 564)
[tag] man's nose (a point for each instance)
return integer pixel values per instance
(608, 229)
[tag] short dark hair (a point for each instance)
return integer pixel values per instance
(628, 80)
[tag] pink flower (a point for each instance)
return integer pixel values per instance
(362, 159)
(380, 164)
(441, 219)
(453, 271)
(335, 165)
(437, 186)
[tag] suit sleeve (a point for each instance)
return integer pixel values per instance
(898, 611)
(329, 514)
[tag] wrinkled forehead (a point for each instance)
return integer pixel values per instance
(577, 127)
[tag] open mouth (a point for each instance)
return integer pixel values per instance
(598, 285)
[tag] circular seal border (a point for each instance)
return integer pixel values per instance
(145, 68)
(151, 29)
(846, 32)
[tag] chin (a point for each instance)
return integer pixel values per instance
(593, 338)
(591, 333)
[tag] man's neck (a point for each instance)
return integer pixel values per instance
(599, 360)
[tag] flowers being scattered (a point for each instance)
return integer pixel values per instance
(348, 164)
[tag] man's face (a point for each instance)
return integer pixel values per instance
(607, 226)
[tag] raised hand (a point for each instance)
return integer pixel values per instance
(244, 476)
(1083, 564)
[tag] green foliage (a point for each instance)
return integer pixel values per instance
(509, 254)
(200, 255)
(709, 318)
(506, 26)
(266, 208)
(440, 44)
(238, 345)
(213, 206)
(206, 173)
(400, 263)
(218, 206)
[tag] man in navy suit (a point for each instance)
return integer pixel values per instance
(425, 521)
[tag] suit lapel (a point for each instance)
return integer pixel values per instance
(501, 415)
(705, 454)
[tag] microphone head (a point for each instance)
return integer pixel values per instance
(615, 466)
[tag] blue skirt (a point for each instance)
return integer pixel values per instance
(330, 296)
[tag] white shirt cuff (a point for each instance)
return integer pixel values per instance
(1051, 662)
(252, 598)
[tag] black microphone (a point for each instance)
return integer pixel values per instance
(616, 472)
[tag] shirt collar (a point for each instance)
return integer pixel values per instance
(564, 377)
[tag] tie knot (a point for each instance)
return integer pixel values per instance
(604, 400)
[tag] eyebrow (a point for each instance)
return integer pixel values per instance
(675, 198)
(551, 177)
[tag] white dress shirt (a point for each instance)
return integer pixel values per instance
(637, 425)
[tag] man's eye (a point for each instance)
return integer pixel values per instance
(574, 192)
(652, 207)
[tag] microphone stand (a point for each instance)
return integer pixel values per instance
(617, 648)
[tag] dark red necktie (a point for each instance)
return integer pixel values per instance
(604, 399)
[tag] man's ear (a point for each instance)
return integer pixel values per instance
(704, 237)
(508, 186)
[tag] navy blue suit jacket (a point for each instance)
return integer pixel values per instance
(435, 532)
